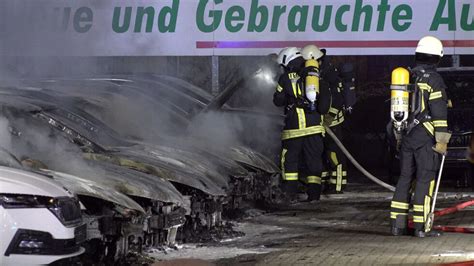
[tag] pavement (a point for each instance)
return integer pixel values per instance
(348, 229)
(353, 229)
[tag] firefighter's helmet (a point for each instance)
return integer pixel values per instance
(430, 45)
(287, 55)
(311, 52)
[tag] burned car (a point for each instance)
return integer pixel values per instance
(101, 96)
(123, 210)
(166, 176)
(202, 188)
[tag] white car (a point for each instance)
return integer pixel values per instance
(40, 221)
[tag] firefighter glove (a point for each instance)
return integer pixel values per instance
(328, 119)
(442, 140)
(440, 148)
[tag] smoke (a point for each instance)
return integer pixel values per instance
(261, 120)
(124, 109)
(5, 135)
(34, 140)
(136, 117)
(34, 47)
(217, 129)
(261, 74)
(36, 40)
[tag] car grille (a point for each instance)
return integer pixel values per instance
(457, 154)
(80, 233)
(460, 140)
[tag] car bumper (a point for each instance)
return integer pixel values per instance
(17, 259)
(17, 225)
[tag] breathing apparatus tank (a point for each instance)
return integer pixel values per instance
(312, 83)
(400, 93)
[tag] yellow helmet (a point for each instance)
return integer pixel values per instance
(311, 52)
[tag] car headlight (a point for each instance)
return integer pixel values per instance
(19, 201)
(67, 210)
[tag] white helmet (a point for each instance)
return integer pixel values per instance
(311, 52)
(287, 55)
(430, 45)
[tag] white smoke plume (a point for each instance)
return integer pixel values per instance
(5, 135)
(41, 53)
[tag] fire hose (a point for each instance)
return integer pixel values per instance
(356, 164)
(450, 210)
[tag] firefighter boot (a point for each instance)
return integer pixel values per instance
(290, 188)
(314, 192)
(432, 233)
(399, 226)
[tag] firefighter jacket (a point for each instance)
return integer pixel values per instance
(430, 104)
(299, 121)
(330, 74)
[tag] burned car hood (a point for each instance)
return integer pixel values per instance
(183, 161)
(203, 159)
(122, 179)
(81, 128)
(180, 171)
(240, 154)
(237, 159)
(130, 182)
(222, 157)
(139, 160)
(79, 186)
(200, 99)
(133, 183)
(87, 187)
(253, 159)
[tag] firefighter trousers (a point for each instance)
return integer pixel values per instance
(423, 163)
(335, 174)
(302, 153)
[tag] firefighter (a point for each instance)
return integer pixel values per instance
(423, 139)
(302, 133)
(335, 176)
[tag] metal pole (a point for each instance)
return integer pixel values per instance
(456, 60)
(215, 75)
(430, 218)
